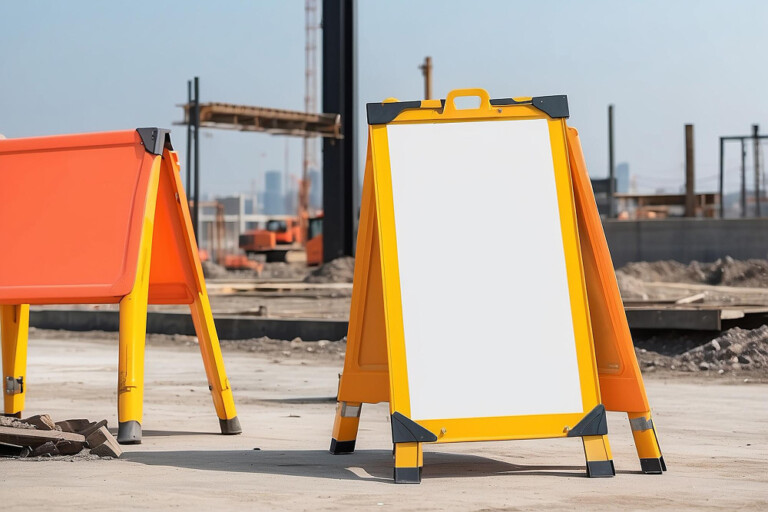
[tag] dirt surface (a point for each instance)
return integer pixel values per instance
(340, 270)
(643, 280)
(725, 271)
(713, 435)
(273, 270)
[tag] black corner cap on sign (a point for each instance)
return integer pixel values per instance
(555, 107)
(383, 113)
(593, 424)
(405, 430)
(155, 139)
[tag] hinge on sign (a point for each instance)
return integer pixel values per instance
(14, 386)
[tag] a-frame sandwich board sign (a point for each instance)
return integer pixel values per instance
(621, 383)
(504, 351)
(101, 218)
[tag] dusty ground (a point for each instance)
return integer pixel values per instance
(713, 433)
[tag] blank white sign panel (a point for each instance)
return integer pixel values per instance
(486, 309)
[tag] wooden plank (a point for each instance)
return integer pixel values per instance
(33, 437)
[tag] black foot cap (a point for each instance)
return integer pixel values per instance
(129, 432)
(653, 466)
(600, 468)
(12, 414)
(407, 475)
(230, 427)
(342, 447)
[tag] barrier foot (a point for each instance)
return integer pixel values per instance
(409, 460)
(230, 427)
(598, 454)
(14, 329)
(345, 427)
(646, 443)
(129, 432)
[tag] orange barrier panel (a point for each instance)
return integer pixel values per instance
(101, 218)
(621, 383)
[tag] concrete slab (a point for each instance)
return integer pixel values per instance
(713, 435)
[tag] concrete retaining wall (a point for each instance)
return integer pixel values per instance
(229, 327)
(686, 239)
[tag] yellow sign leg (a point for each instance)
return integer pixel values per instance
(409, 459)
(133, 329)
(14, 329)
(130, 384)
(598, 454)
(646, 442)
(214, 365)
(345, 427)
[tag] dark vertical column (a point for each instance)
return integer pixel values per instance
(722, 204)
(339, 156)
(188, 182)
(426, 70)
(756, 145)
(690, 199)
(196, 211)
(611, 166)
(743, 196)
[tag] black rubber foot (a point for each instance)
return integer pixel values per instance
(653, 466)
(600, 468)
(12, 414)
(407, 475)
(230, 427)
(129, 432)
(342, 447)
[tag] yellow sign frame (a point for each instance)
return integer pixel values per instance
(377, 318)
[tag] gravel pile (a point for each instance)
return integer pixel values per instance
(735, 350)
(340, 270)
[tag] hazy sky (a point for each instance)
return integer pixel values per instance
(80, 66)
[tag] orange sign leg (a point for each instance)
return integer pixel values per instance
(621, 383)
(365, 377)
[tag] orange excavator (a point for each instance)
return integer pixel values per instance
(279, 240)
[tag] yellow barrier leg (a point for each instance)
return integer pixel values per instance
(345, 427)
(409, 459)
(14, 329)
(646, 442)
(598, 454)
(130, 384)
(214, 365)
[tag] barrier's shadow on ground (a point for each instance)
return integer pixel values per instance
(362, 465)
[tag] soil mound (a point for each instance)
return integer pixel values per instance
(340, 270)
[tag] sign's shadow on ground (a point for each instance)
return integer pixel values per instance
(362, 465)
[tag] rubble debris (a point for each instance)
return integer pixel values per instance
(47, 449)
(92, 427)
(102, 443)
(73, 425)
(41, 422)
(38, 436)
(734, 350)
(13, 450)
(340, 270)
(9, 421)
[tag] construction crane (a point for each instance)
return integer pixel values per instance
(310, 106)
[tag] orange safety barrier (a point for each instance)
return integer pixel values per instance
(621, 383)
(101, 218)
